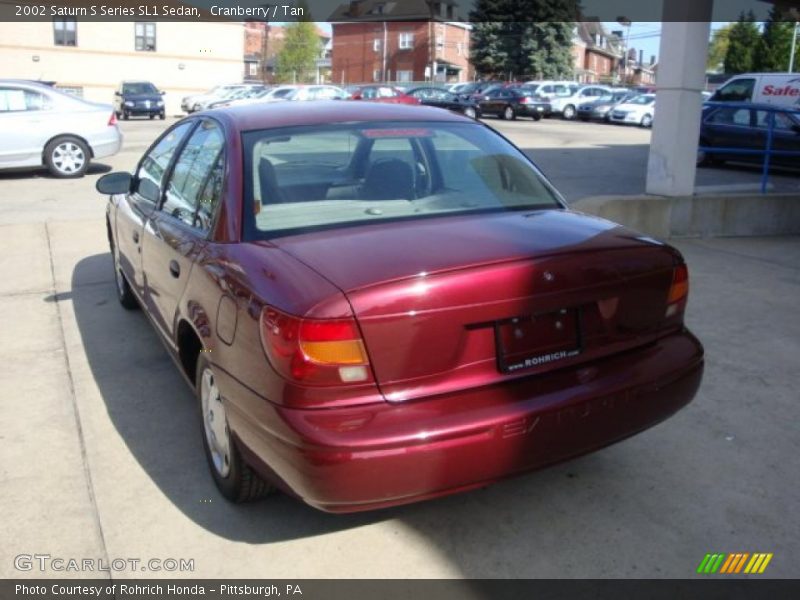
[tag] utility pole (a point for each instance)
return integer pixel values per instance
(794, 47)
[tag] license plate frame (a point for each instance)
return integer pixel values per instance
(530, 362)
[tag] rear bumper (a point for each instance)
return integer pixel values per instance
(347, 460)
(534, 109)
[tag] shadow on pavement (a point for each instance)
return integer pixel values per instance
(621, 170)
(155, 413)
(42, 173)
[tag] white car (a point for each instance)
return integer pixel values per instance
(317, 92)
(567, 105)
(197, 102)
(44, 127)
(641, 111)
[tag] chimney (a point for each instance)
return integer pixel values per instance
(641, 57)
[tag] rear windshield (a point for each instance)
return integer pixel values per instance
(304, 179)
(139, 88)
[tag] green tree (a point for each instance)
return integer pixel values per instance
(718, 48)
(742, 43)
(296, 61)
(775, 45)
(523, 38)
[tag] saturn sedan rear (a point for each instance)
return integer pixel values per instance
(378, 304)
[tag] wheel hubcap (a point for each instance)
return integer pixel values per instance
(470, 113)
(68, 157)
(215, 423)
(509, 113)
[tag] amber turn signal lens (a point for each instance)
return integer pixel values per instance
(346, 352)
(680, 284)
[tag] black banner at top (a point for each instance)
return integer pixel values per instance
(623, 11)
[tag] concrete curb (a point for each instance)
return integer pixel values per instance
(700, 216)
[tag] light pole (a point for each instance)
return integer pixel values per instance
(794, 48)
(625, 22)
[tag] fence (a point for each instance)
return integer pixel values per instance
(767, 151)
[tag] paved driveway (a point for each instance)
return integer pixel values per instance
(100, 443)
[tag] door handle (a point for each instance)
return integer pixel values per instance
(174, 269)
(135, 237)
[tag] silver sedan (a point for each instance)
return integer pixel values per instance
(44, 127)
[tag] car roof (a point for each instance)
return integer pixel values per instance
(269, 116)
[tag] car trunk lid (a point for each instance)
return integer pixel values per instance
(452, 303)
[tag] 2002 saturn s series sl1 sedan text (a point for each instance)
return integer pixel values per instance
(378, 304)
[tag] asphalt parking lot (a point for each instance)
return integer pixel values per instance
(100, 443)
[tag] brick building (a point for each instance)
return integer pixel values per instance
(376, 40)
(602, 53)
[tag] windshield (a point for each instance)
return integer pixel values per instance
(305, 178)
(642, 100)
(281, 92)
(139, 88)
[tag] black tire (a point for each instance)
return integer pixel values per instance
(241, 483)
(508, 113)
(125, 294)
(152, 117)
(537, 117)
(126, 115)
(162, 116)
(67, 157)
(568, 114)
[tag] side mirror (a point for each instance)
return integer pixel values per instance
(114, 183)
(117, 93)
(162, 92)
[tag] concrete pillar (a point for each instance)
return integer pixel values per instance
(681, 77)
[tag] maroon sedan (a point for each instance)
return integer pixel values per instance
(377, 304)
(383, 93)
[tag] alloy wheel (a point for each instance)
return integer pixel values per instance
(68, 158)
(215, 423)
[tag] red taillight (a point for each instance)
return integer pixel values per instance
(524, 100)
(678, 291)
(112, 120)
(314, 351)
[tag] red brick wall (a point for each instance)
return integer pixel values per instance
(354, 59)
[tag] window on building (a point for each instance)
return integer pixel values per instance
(377, 44)
(440, 43)
(252, 69)
(145, 37)
(405, 75)
(460, 48)
(376, 75)
(65, 32)
(406, 41)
